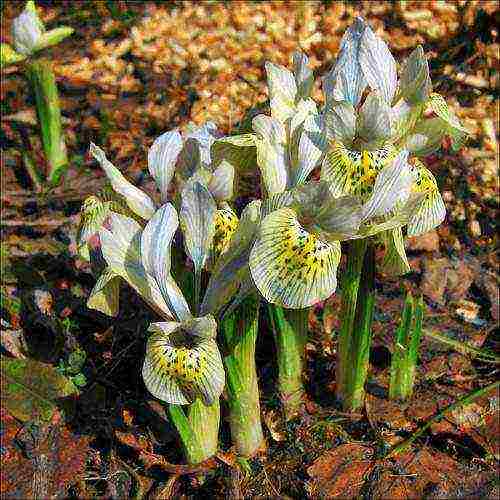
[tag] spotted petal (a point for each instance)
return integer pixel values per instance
(162, 157)
(138, 201)
(346, 81)
(392, 185)
(183, 362)
(378, 65)
(231, 269)
(291, 267)
(430, 212)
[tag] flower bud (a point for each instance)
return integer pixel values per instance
(27, 29)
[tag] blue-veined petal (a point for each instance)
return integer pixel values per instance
(282, 91)
(392, 186)
(197, 218)
(346, 81)
(271, 153)
(378, 65)
(183, 362)
(221, 184)
(308, 148)
(291, 267)
(340, 122)
(121, 248)
(156, 240)
(373, 126)
(138, 201)
(304, 78)
(430, 212)
(162, 157)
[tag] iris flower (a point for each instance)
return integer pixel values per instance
(204, 188)
(363, 137)
(182, 359)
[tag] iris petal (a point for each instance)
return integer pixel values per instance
(181, 364)
(430, 212)
(291, 267)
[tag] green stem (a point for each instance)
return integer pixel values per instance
(240, 332)
(467, 399)
(358, 299)
(44, 86)
(189, 440)
(198, 431)
(290, 331)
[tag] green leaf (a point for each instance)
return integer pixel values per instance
(53, 37)
(30, 389)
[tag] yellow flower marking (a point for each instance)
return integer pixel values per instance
(182, 363)
(302, 254)
(355, 171)
(226, 222)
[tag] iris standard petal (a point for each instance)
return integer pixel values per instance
(197, 218)
(373, 126)
(346, 81)
(415, 83)
(291, 267)
(181, 365)
(221, 184)
(340, 122)
(430, 212)
(282, 91)
(378, 65)
(304, 78)
(271, 153)
(162, 158)
(138, 201)
(121, 248)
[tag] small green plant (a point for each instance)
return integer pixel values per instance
(29, 38)
(405, 351)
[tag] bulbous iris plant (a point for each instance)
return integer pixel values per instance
(183, 364)
(372, 189)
